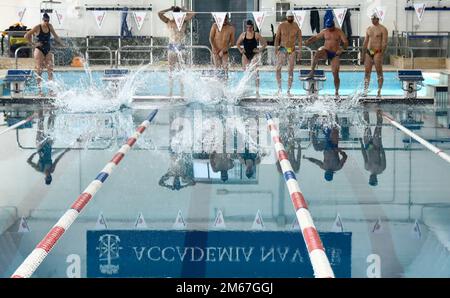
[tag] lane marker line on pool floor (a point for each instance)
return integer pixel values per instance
(319, 260)
(439, 152)
(37, 256)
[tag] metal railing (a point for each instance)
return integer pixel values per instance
(86, 53)
(149, 49)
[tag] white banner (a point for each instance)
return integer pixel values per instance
(299, 17)
(59, 16)
(20, 13)
(179, 19)
(381, 12)
(420, 9)
(139, 18)
(340, 13)
(219, 17)
(99, 17)
(259, 17)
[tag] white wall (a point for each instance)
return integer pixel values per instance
(84, 24)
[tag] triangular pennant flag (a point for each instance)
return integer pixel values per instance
(300, 17)
(259, 17)
(23, 226)
(337, 225)
(99, 17)
(420, 9)
(381, 12)
(258, 223)
(295, 225)
(59, 17)
(416, 230)
(340, 13)
(101, 222)
(219, 18)
(139, 18)
(219, 222)
(179, 221)
(140, 222)
(21, 12)
(179, 19)
(377, 227)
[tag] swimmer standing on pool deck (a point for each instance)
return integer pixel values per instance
(176, 40)
(374, 48)
(331, 50)
(287, 34)
(43, 55)
(220, 42)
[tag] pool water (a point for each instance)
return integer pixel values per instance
(380, 236)
(157, 82)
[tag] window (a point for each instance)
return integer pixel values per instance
(281, 9)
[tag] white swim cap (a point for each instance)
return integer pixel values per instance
(289, 13)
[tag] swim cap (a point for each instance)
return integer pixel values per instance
(374, 16)
(46, 16)
(329, 175)
(329, 23)
(289, 13)
(249, 23)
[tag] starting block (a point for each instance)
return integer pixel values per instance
(17, 79)
(312, 85)
(411, 81)
(114, 77)
(214, 74)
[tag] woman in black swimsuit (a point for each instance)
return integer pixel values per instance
(42, 52)
(249, 39)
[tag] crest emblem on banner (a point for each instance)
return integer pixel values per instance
(139, 18)
(99, 17)
(179, 19)
(420, 10)
(340, 13)
(299, 17)
(219, 18)
(109, 248)
(259, 17)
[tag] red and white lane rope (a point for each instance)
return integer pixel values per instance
(425, 143)
(35, 258)
(18, 124)
(319, 260)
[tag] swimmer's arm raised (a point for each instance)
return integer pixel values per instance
(189, 14)
(162, 16)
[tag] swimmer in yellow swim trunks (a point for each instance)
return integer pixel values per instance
(287, 35)
(374, 47)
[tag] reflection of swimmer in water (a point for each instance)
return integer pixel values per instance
(221, 162)
(182, 171)
(332, 162)
(249, 160)
(372, 149)
(44, 144)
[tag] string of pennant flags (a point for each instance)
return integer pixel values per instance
(219, 223)
(219, 17)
